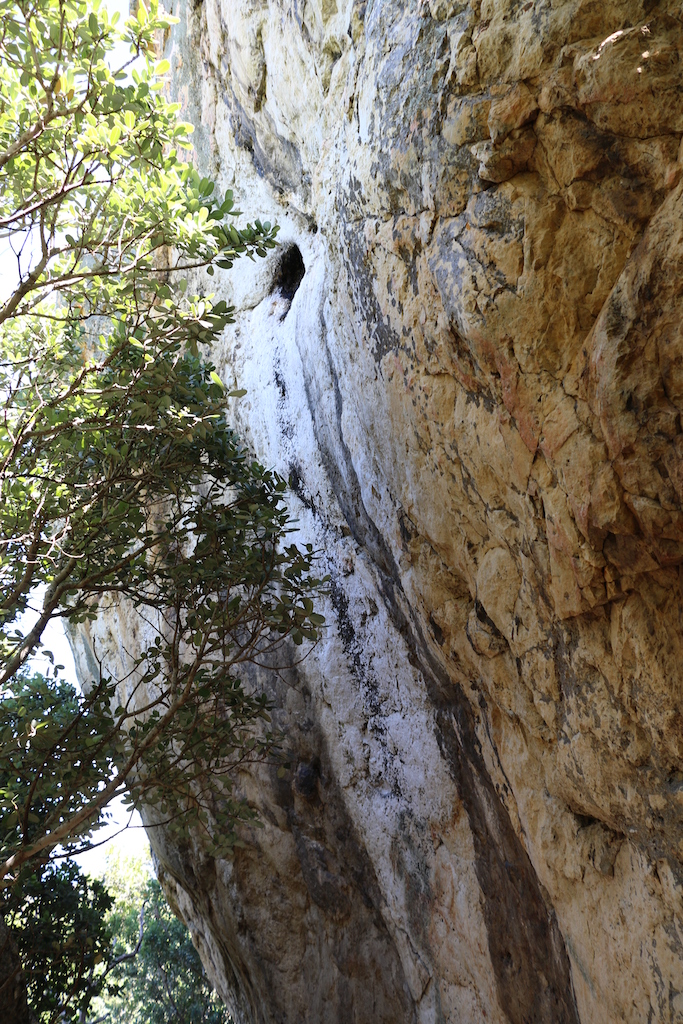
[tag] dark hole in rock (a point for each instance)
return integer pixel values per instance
(288, 275)
(585, 820)
(437, 631)
(294, 478)
(306, 780)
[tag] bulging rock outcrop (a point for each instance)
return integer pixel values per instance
(467, 357)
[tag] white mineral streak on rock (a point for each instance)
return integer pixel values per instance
(476, 392)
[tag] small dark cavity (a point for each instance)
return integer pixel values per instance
(306, 780)
(437, 631)
(585, 820)
(294, 478)
(289, 273)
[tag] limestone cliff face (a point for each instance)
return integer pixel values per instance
(468, 359)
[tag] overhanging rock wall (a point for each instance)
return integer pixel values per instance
(475, 389)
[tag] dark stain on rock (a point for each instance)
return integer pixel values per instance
(275, 158)
(297, 484)
(436, 631)
(528, 955)
(342, 919)
(384, 338)
(527, 951)
(325, 887)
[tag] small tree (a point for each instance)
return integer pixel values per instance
(106, 949)
(154, 974)
(60, 921)
(120, 478)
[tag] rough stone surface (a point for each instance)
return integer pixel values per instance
(476, 391)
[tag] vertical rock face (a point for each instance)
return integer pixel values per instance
(467, 358)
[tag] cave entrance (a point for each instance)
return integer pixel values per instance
(289, 273)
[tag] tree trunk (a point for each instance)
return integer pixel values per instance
(12, 981)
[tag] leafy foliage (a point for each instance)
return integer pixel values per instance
(181, 522)
(92, 191)
(121, 484)
(106, 949)
(120, 477)
(49, 753)
(164, 982)
(60, 921)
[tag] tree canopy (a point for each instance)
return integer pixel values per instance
(106, 949)
(60, 922)
(121, 479)
(156, 975)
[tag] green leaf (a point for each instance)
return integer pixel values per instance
(115, 437)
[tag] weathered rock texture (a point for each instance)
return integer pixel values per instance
(476, 390)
